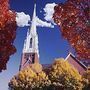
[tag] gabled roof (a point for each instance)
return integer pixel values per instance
(78, 61)
(86, 62)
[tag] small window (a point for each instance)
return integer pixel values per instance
(33, 57)
(31, 43)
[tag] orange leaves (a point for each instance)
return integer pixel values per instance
(73, 17)
(7, 33)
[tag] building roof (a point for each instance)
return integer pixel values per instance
(78, 61)
(86, 62)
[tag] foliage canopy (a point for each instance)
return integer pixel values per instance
(73, 19)
(61, 76)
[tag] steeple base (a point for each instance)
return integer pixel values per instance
(28, 59)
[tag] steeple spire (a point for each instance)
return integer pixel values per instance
(32, 35)
(30, 53)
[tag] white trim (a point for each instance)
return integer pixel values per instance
(76, 59)
(83, 64)
(69, 56)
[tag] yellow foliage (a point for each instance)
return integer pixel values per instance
(60, 75)
(36, 67)
(87, 75)
(29, 79)
(63, 73)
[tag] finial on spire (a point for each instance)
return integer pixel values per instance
(35, 1)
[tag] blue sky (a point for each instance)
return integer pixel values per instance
(51, 43)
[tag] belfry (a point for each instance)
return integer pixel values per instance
(30, 54)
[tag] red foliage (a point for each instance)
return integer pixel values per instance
(73, 19)
(7, 33)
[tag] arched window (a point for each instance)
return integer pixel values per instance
(31, 43)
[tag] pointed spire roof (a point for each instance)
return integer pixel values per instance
(32, 34)
(33, 25)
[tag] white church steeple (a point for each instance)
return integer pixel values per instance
(30, 54)
(31, 42)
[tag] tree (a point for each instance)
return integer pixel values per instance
(7, 33)
(86, 76)
(36, 67)
(73, 19)
(64, 76)
(27, 79)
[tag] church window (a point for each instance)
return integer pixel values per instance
(33, 57)
(31, 43)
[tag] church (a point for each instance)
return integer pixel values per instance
(30, 54)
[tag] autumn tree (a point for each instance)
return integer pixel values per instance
(7, 33)
(64, 76)
(73, 18)
(36, 67)
(27, 79)
(87, 77)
